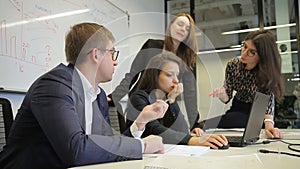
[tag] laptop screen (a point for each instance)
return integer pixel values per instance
(256, 117)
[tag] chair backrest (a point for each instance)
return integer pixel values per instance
(6, 119)
(117, 120)
(114, 120)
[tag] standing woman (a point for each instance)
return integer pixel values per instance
(258, 69)
(180, 39)
(160, 81)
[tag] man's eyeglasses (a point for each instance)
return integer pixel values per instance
(250, 52)
(114, 53)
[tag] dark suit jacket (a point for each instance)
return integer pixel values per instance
(172, 127)
(151, 48)
(49, 129)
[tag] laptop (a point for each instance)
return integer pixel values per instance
(252, 130)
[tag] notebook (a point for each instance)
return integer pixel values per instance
(252, 130)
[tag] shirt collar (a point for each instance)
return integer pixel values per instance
(89, 91)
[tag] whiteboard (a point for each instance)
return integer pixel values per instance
(32, 34)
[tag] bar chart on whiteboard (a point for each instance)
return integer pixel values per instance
(32, 35)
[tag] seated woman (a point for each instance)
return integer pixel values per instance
(160, 81)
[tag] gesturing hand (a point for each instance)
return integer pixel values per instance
(220, 93)
(151, 112)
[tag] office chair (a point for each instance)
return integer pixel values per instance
(114, 120)
(117, 120)
(6, 119)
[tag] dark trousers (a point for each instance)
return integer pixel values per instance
(236, 117)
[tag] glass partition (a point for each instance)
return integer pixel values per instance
(222, 26)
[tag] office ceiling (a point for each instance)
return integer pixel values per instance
(228, 14)
(213, 17)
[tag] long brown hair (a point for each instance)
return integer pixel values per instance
(188, 48)
(269, 77)
(149, 79)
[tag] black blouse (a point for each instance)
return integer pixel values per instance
(172, 127)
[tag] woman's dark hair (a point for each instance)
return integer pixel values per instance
(269, 77)
(149, 79)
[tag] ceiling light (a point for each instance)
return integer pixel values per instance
(218, 51)
(47, 17)
(254, 29)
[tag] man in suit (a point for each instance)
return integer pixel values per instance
(63, 120)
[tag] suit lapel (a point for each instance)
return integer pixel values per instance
(78, 96)
(101, 124)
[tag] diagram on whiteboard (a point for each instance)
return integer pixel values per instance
(32, 35)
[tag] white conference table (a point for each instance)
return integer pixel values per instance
(234, 158)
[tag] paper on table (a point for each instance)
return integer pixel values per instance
(234, 161)
(182, 150)
(185, 150)
(216, 130)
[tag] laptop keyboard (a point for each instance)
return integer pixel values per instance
(154, 167)
(234, 139)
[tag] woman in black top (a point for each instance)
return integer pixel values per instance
(160, 81)
(258, 69)
(180, 39)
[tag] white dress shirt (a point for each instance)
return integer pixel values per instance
(90, 94)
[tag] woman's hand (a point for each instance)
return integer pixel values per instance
(198, 131)
(220, 93)
(212, 140)
(270, 130)
(176, 91)
(273, 132)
